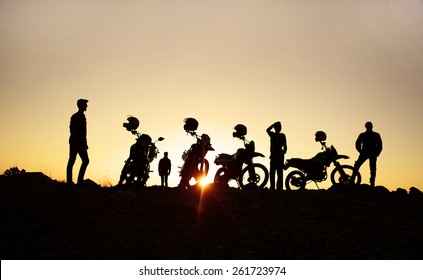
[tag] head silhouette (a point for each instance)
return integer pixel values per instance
(369, 126)
(278, 127)
(82, 104)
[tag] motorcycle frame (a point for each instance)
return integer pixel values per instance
(333, 159)
(202, 158)
(249, 162)
(143, 176)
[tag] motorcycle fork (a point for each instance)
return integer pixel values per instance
(344, 176)
(338, 166)
(251, 171)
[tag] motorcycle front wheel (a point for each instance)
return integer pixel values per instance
(295, 180)
(220, 178)
(127, 173)
(343, 175)
(259, 180)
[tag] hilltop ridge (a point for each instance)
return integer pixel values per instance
(45, 219)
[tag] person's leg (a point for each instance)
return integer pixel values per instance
(279, 172)
(272, 172)
(361, 159)
(71, 162)
(372, 163)
(85, 161)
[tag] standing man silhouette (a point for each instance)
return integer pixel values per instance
(164, 169)
(78, 142)
(278, 148)
(369, 145)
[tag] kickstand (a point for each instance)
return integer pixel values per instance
(317, 185)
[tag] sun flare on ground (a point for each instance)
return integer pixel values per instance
(204, 183)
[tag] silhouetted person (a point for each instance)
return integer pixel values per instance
(164, 169)
(278, 149)
(369, 145)
(78, 142)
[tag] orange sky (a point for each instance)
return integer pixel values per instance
(313, 65)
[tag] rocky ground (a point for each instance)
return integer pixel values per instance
(45, 219)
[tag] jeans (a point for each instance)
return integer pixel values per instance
(276, 169)
(372, 162)
(73, 152)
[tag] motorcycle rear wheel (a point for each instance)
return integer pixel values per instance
(337, 178)
(295, 180)
(260, 179)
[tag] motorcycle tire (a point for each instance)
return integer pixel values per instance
(260, 180)
(218, 177)
(336, 176)
(197, 174)
(126, 174)
(131, 175)
(295, 180)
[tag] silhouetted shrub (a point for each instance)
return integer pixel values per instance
(14, 171)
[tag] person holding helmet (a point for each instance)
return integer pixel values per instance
(78, 142)
(369, 145)
(278, 148)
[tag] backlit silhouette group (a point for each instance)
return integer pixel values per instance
(368, 145)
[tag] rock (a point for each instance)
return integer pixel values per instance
(382, 190)
(415, 193)
(400, 192)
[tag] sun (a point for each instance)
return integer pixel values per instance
(203, 183)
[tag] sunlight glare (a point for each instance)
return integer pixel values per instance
(204, 183)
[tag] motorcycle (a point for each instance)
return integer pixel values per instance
(136, 169)
(254, 174)
(196, 166)
(315, 169)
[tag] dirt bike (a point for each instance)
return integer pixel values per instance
(195, 167)
(315, 169)
(253, 175)
(136, 169)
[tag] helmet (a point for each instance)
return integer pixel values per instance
(144, 140)
(205, 142)
(205, 139)
(132, 123)
(191, 124)
(240, 130)
(320, 136)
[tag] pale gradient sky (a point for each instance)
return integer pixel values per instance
(314, 65)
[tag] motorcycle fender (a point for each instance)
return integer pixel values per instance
(294, 162)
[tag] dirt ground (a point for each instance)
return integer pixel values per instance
(45, 219)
